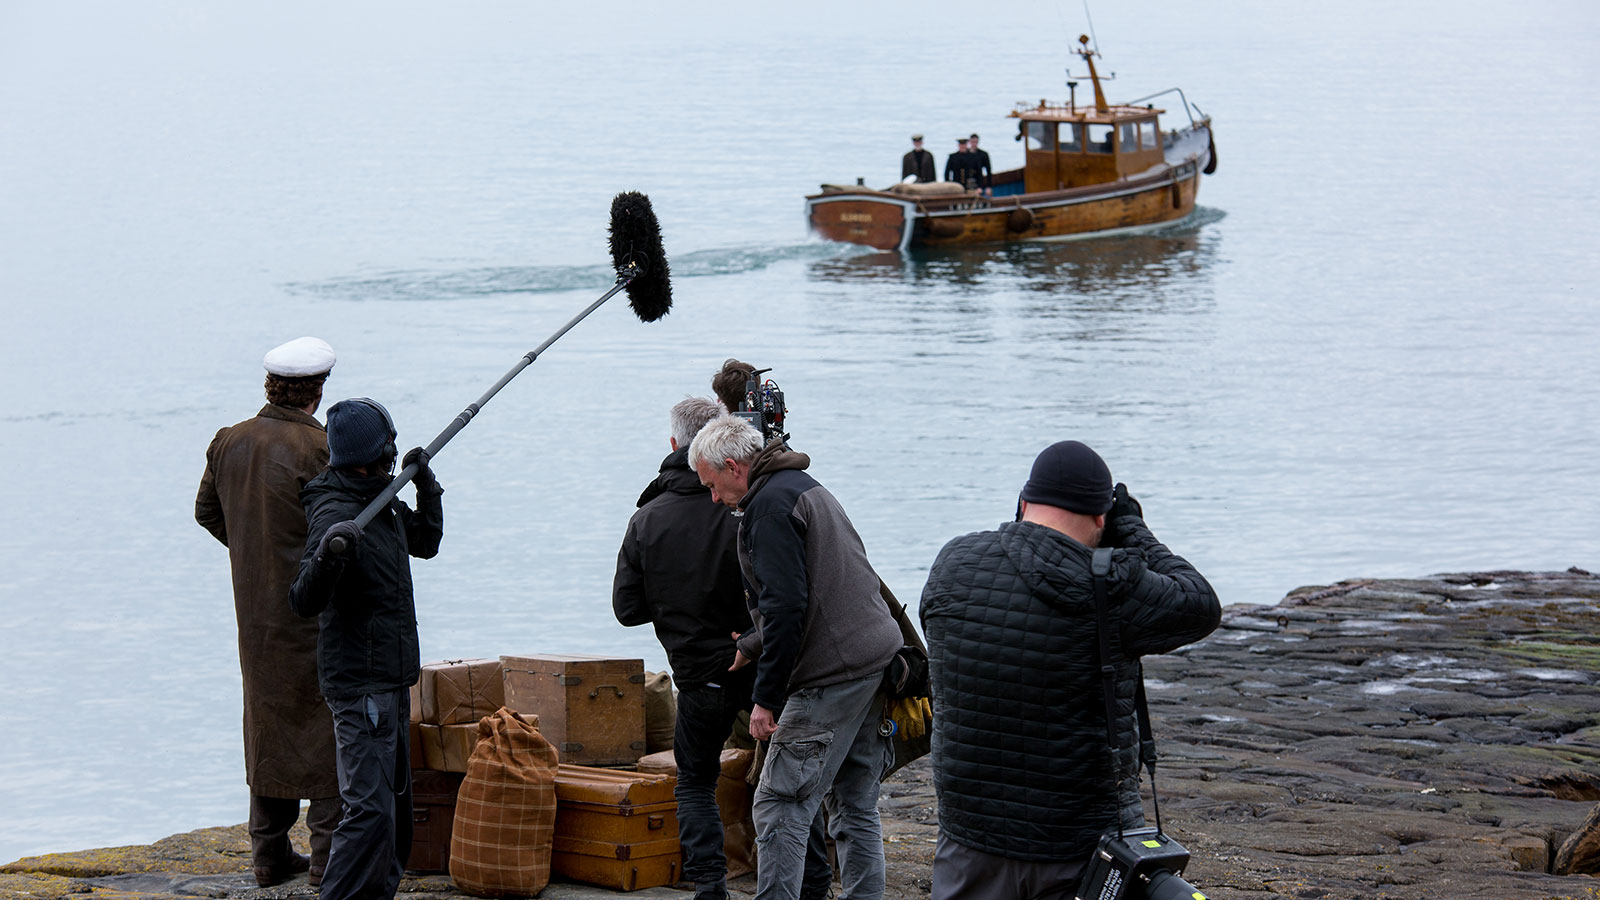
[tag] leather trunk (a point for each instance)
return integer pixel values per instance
(591, 708)
(617, 830)
(433, 812)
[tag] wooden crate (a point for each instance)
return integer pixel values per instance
(591, 708)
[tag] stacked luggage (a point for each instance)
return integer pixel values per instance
(615, 822)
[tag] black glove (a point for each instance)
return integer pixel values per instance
(1122, 504)
(348, 530)
(424, 478)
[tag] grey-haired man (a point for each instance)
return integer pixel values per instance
(678, 569)
(821, 640)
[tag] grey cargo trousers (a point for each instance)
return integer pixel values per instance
(826, 750)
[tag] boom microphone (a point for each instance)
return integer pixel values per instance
(641, 267)
(636, 247)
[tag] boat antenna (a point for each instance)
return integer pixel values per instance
(1090, 19)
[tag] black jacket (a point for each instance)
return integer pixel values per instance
(918, 163)
(1020, 762)
(367, 642)
(679, 569)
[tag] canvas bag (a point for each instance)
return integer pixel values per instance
(506, 810)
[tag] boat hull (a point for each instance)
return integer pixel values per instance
(889, 221)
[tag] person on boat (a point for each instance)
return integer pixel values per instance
(958, 166)
(249, 499)
(367, 653)
(1011, 613)
(981, 169)
(820, 641)
(918, 162)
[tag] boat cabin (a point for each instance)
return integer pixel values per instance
(1070, 146)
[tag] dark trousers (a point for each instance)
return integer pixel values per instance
(962, 873)
(705, 718)
(373, 839)
(270, 821)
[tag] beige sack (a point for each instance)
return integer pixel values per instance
(660, 712)
(506, 810)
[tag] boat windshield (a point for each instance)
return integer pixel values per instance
(1041, 135)
(1099, 138)
(1071, 137)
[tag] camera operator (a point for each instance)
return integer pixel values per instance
(1019, 740)
(679, 570)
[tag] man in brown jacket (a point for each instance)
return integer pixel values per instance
(250, 501)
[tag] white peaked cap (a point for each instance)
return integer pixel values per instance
(299, 358)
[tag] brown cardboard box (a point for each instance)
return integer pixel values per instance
(414, 737)
(446, 748)
(460, 691)
(591, 707)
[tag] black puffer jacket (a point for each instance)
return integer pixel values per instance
(679, 569)
(367, 641)
(1019, 741)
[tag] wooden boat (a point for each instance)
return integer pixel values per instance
(1088, 171)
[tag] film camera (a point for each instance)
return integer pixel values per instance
(763, 406)
(1139, 863)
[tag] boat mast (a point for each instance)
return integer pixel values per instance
(1088, 57)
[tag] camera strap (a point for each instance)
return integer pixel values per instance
(1100, 568)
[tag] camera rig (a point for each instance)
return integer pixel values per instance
(763, 406)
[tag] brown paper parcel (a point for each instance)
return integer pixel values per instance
(460, 691)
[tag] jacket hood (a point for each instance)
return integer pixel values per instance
(1042, 557)
(676, 478)
(774, 457)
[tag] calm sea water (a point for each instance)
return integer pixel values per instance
(1371, 352)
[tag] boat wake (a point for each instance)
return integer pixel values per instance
(492, 281)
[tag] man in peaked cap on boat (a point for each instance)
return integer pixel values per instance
(918, 162)
(249, 500)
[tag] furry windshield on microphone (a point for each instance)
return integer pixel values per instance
(636, 241)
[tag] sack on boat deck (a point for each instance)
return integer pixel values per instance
(506, 812)
(929, 189)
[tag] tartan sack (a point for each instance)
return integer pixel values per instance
(506, 810)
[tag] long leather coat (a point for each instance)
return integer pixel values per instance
(249, 500)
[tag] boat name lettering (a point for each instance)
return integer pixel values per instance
(855, 217)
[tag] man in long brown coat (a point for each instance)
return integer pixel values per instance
(249, 500)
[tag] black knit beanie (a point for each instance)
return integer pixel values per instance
(359, 431)
(1071, 476)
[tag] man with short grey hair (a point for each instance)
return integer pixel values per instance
(821, 640)
(678, 569)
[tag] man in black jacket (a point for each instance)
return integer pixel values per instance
(917, 162)
(679, 570)
(367, 655)
(982, 171)
(1021, 768)
(821, 639)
